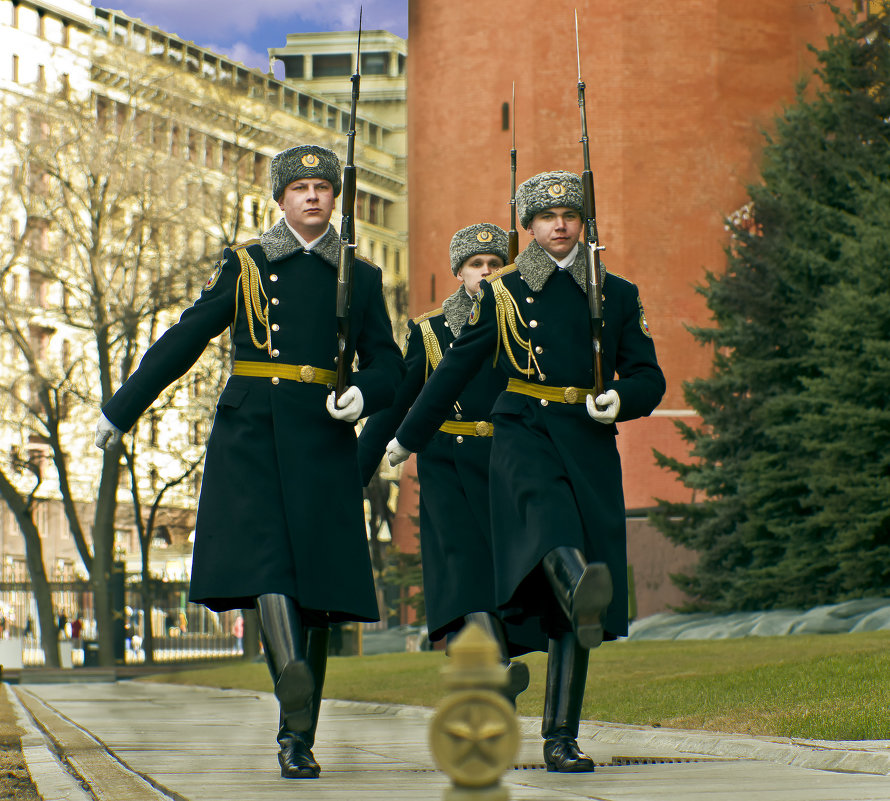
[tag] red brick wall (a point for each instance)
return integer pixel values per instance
(677, 94)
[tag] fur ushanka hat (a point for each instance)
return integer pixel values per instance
(474, 239)
(304, 161)
(548, 190)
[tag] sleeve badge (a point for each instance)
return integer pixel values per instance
(214, 277)
(644, 325)
(474, 312)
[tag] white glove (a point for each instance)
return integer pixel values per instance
(107, 433)
(609, 403)
(396, 452)
(349, 405)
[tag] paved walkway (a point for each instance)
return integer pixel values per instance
(142, 741)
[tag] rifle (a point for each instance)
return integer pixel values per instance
(591, 240)
(513, 235)
(346, 259)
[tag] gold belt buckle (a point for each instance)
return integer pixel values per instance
(307, 373)
(571, 394)
(483, 428)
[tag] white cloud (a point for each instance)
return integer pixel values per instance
(243, 52)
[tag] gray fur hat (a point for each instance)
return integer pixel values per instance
(479, 238)
(304, 161)
(548, 190)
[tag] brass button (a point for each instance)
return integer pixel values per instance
(544, 402)
(459, 439)
(458, 416)
(529, 300)
(531, 323)
(446, 324)
(542, 377)
(539, 349)
(273, 277)
(274, 301)
(275, 326)
(483, 428)
(274, 352)
(451, 345)
(275, 379)
(307, 373)
(571, 395)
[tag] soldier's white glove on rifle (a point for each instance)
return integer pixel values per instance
(348, 407)
(608, 404)
(396, 452)
(107, 433)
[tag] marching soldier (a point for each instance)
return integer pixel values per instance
(280, 523)
(558, 528)
(455, 535)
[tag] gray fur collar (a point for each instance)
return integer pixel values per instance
(457, 309)
(535, 266)
(279, 242)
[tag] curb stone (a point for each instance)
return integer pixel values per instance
(853, 756)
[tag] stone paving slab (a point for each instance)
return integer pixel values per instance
(198, 743)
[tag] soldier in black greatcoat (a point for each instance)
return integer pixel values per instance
(280, 521)
(558, 527)
(455, 530)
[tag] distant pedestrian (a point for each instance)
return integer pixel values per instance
(76, 631)
(238, 631)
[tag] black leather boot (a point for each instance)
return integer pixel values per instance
(295, 756)
(283, 642)
(563, 696)
(583, 591)
(517, 672)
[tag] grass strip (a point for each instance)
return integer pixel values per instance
(827, 687)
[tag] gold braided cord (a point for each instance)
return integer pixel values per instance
(431, 346)
(507, 313)
(252, 287)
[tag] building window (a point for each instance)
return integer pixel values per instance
(334, 64)
(375, 63)
(15, 66)
(293, 66)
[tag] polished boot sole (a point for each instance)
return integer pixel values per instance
(589, 601)
(294, 693)
(517, 681)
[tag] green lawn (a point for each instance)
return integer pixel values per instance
(832, 687)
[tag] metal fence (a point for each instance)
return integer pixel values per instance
(182, 631)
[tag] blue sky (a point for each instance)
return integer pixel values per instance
(245, 31)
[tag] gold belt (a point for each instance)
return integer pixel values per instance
(480, 429)
(555, 394)
(292, 372)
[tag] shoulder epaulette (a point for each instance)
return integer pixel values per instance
(503, 271)
(248, 243)
(427, 315)
(626, 280)
(369, 262)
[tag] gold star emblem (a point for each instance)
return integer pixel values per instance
(474, 737)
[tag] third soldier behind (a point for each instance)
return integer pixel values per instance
(455, 532)
(558, 524)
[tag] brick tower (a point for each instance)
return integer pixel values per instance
(677, 96)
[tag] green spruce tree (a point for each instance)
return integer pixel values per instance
(789, 463)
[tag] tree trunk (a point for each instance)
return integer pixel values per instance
(103, 547)
(22, 511)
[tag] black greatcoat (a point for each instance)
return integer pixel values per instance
(455, 535)
(281, 507)
(555, 473)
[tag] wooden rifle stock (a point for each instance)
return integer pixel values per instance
(591, 240)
